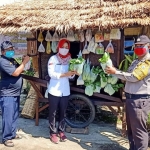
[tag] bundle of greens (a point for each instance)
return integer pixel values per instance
(105, 61)
(76, 65)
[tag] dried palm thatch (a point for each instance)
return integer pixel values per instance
(63, 15)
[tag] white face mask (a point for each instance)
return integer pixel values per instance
(63, 51)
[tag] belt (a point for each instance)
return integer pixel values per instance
(134, 96)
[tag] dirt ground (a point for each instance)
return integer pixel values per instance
(101, 137)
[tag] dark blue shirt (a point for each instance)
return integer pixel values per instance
(9, 85)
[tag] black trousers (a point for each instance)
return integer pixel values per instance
(136, 116)
(60, 104)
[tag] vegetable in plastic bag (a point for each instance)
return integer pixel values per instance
(89, 90)
(54, 46)
(105, 61)
(108, 89)
(109, 48)
(41, 48)
(97, 89)
(86, 71)
(80, 80)
(103, 83)
(48, 36)
(99, 49)
(93, 76)
(70, 36)
(76, 65)
(88, 34)
(112, 79)
(40, 37)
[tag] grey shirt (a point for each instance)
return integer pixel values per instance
(133, 85)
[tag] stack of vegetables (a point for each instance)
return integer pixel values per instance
(96, 79)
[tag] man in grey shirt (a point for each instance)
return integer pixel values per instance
(137, 91)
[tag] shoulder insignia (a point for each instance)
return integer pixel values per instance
(141, 71)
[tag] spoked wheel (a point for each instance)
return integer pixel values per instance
(80, 111)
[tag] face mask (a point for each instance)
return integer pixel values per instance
(139, 51)
(63, 51)
(10, 54)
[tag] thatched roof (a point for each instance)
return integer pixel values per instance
(76, 14)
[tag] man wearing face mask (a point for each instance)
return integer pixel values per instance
(137, 91)
(59, 89)
(10, 88)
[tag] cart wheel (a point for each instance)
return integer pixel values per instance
(80, 111)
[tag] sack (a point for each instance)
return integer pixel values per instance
(88, 34)
(70, 36)
(41, 48)
(109, 48)
(99, 49)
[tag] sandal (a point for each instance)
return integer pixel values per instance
(17, 137)
(9, 143)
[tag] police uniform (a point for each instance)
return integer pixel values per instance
(10, 89)
(137, 91)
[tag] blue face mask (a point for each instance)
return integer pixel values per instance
(10, 53)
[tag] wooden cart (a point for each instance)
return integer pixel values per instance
(81, 108)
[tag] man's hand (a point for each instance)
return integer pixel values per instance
(25, 59)
(110, 70)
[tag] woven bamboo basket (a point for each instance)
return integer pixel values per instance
(30, 104)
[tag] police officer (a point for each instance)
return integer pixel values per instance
(137, 91)
(10, 88)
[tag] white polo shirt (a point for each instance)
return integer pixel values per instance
(58, 86)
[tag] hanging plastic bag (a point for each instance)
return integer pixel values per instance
(48, 36)
(27, 66)
(80, 80)
(70, 36)
(115, 34)
(76, 36)
(85, 51)
(99, 37)
(106, 36)
(93, 76)
(48, 48)
(41, 48)
(40, 37)
(54, 46)
(91, 44)
(81, 36)
(63, 35)
(88, 34)
(86, 71)
(99, 49)
(55, 37)
(109, 48)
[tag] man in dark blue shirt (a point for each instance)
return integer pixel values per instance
(10, 89)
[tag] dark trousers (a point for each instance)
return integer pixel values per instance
(10, 113)
(55, 103)
(136, 116)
